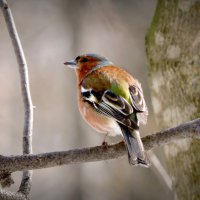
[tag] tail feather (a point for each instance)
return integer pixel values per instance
(136, 154)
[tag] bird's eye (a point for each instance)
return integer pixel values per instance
(84, 59)
(77, 58)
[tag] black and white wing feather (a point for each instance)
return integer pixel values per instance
(138, 103)
(112, 106)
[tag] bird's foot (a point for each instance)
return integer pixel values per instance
(104, 144)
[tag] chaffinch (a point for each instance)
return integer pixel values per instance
(111, 101)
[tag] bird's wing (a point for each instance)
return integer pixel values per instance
(111, 105)
(138, 103)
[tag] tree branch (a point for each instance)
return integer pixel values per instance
(28, 107)
(6, 195)
(29, 162)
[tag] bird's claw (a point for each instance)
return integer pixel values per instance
(104, 144)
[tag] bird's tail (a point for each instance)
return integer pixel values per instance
(136, 154)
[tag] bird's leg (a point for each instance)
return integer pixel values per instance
(104, 143)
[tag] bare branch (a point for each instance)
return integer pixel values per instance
(23, 70)
(161, 170)
(28, 162)
(6, 195)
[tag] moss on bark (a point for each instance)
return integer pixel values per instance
(173, 50)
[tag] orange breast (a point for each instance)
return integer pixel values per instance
(93, 118)
(99, 122)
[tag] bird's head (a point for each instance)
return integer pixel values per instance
(84, 64)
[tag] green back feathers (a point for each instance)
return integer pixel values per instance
(121, 89)
(101, 82)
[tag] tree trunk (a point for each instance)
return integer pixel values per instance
(173, 50)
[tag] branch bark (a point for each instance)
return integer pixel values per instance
(6, 195)
(38, 161)
(28, 107)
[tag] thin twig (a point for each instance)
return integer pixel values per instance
(159, 168)
(23, 70)
(29, 162)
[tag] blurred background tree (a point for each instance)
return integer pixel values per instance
(173, 48)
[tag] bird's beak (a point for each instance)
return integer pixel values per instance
(71, 63)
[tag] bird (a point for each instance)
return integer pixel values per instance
(112, 102)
